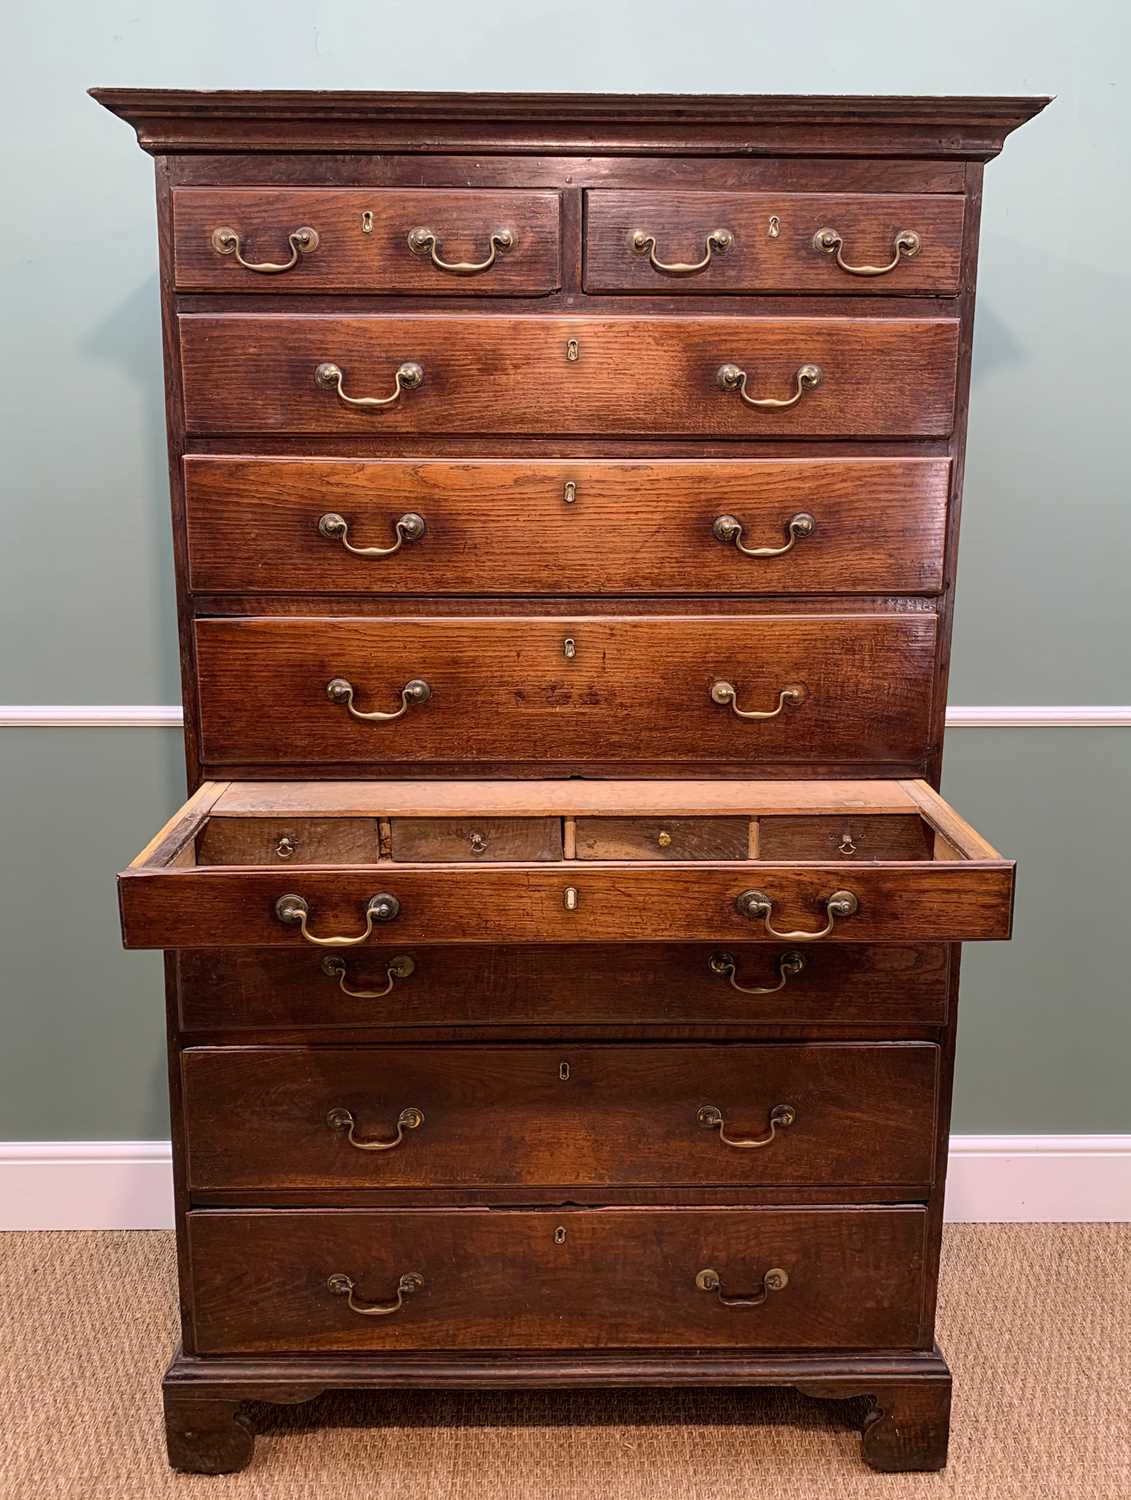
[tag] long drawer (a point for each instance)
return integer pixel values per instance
(857, 984)
(616, 526)
(822, 1114)
(565, 689)
(276, 1281)
(545, 376)
(689, 243)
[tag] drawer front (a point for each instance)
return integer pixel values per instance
(664, 838)
(457, 840)
(879, 377)
(295, 1118)
(564, 985)
(367, 240)
(847, 837)
(566, 691)
(772, 242)
(867, 526)
(572, 1278)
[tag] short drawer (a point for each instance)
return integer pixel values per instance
(664, 838)
(564, 691)
(487, 839)
(303, 1118)
(686, 243)
(551, 375)
(584, 526)
(434, 241)
(838, 1278)
(583, 984)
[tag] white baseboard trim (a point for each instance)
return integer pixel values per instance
(168, 716)
(992, 1179)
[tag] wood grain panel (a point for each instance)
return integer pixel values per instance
(506, 1116)
(564, 985)
(882, 377)
(620, 1277)
(350, 260)
(506, 527)
(637, 688)
(760, 260)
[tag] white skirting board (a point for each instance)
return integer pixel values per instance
(992, 1179)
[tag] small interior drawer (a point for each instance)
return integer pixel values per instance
(954, 887)
(455, 840)
(663, 838)
(436, 241)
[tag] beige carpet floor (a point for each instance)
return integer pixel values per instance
(1036, 1321)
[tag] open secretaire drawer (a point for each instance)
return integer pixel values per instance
(343, 864)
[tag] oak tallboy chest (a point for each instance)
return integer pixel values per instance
(562, 935)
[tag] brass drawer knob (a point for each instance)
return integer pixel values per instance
(756, 904)
(338, 690)
(789, 964)
(728, 529)
(409, 377)
(342, 1285)
(732, 378)
(423, 241)
(342, 1121)
(335, 528)
(711, 1117)
(724, 693)
(294, 910)
(397, 968)
(905, 246)
(643, 243)
(303, 241)
(775, 1280)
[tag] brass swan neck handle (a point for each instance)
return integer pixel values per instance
(718, 241)
(756, 904)
(732, 378)
(335, 528)
(342, 1121)
(789, 964)
(397, 968)
(409, 377)
(342, 1285)
(303, 241)
(711, 1117)
(338, 690)
(293, 911)
(905, 245)
(423, 241)
(728, 529)
(775, 1280)
(724, 693)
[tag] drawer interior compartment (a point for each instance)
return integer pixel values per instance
(277, 1281)
(706, 243)
(366, 240)
(916, 871)
(360, 1118)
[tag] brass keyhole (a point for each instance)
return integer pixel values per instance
(563, 1072)
(569, 495)
(775, 226)
(573, 349)
(571, 898)
(560, 1235)
(367, 221)
(569, 648)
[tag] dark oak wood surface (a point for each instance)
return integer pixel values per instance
(626, 526)
(772, 249)
(881, 377)
(350, 258)
(563, 985)
(505, 689)
(622, 1278)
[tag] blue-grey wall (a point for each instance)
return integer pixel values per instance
(86, 601)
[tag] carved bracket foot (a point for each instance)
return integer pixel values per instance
(206, 1436)
(907, 1427)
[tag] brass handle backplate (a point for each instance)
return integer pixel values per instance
(789, 964)
(643, 243)
(303, 241)
(409, 377)
(711, 1117)
(756, 904)
(732, 378)
(343, 1286)
(397, 968)
(338, 690)
(294, 910)
(905, 246)
(723, 693)
(342, 1121)
(335, 528)
(775, 1280)
(423, 241)
(728, 529)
